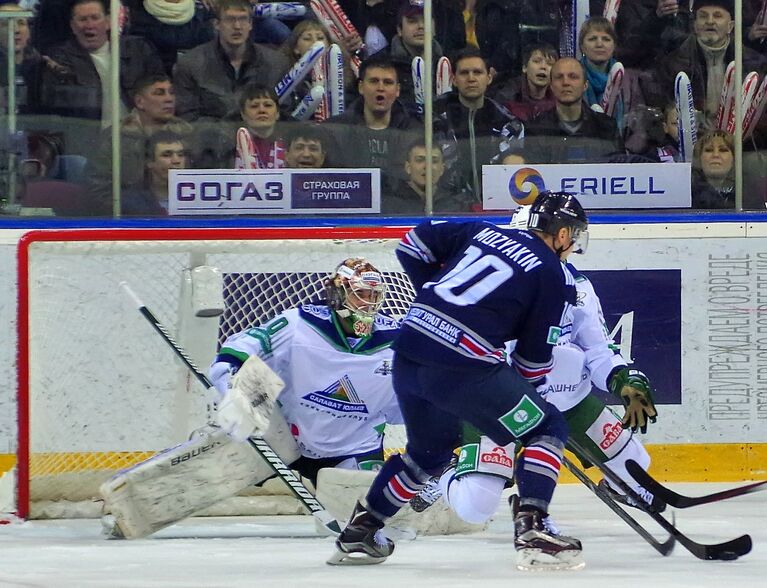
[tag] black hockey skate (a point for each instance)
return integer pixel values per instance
(361, 542)
(537, 549)
(650, 502)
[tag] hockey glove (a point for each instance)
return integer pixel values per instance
(248, 404)
(634, 389)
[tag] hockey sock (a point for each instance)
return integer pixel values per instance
(538, 471)
(398, 481)
(633, 450)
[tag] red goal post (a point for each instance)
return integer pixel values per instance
(98, 390)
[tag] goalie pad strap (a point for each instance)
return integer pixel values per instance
(486, 457)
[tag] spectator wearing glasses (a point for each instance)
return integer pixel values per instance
(208, 77)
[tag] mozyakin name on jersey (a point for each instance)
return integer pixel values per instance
(515, 251)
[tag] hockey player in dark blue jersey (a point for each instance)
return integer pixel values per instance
(479, 285)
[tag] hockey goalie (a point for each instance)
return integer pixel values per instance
(314, 381)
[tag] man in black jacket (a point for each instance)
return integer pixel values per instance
(76, 82)
(471, 128)
(571, 132)
(375, 130)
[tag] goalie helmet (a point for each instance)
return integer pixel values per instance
(552, 211)
(356, 291)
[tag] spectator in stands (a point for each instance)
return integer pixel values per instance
(755, 24)
(648, 30)
(713, 179)
(155, 110)
(704, 56)
(171, 25)
(76, 81)
(375, 129)
(28, 64)
(529, 94)
(375, 21)
(165, 150)
(471, 127)
(259, 113)
(41, 181)
(306, 147)
(407, 44)
(571, 132)
(597, 42)
(409, 197)
(208, 77)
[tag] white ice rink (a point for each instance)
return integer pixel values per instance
(285, 552)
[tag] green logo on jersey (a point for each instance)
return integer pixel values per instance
(467, 459)
(554, 333)
(523, 417)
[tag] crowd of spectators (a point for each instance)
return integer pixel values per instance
(525, 89)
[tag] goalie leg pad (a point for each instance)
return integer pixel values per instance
(189, 477)
(339, 489)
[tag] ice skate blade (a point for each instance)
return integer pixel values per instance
(535, 560)
(341, 558)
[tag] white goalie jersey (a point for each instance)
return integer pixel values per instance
(338, 390)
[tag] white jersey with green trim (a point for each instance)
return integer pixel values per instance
(338, 390)
(585, 354)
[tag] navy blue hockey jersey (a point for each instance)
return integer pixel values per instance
(479, 285)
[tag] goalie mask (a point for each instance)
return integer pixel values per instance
(356, 291)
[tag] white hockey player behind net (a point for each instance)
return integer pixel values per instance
(585, 355)
(334, 359)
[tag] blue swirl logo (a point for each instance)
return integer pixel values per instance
(525, 185)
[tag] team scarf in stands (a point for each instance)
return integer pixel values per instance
(172, 13)
(269, 154)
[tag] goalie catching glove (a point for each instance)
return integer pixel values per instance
(634, 389)
(247, 405)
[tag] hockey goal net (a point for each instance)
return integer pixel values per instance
(99, 390)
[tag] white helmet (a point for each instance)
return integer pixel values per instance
(356, 291)
(520, 217)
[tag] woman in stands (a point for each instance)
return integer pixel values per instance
(713, 173)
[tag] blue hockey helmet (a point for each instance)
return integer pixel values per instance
(552, 211)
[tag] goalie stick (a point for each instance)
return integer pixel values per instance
(664, 548)
(262, 447)
(727, 550)
(680, 501)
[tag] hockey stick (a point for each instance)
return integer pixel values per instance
(262, 447)
(664, 548)
(728, 550)
(680, 501)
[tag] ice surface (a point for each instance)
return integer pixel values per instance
(285, 552)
